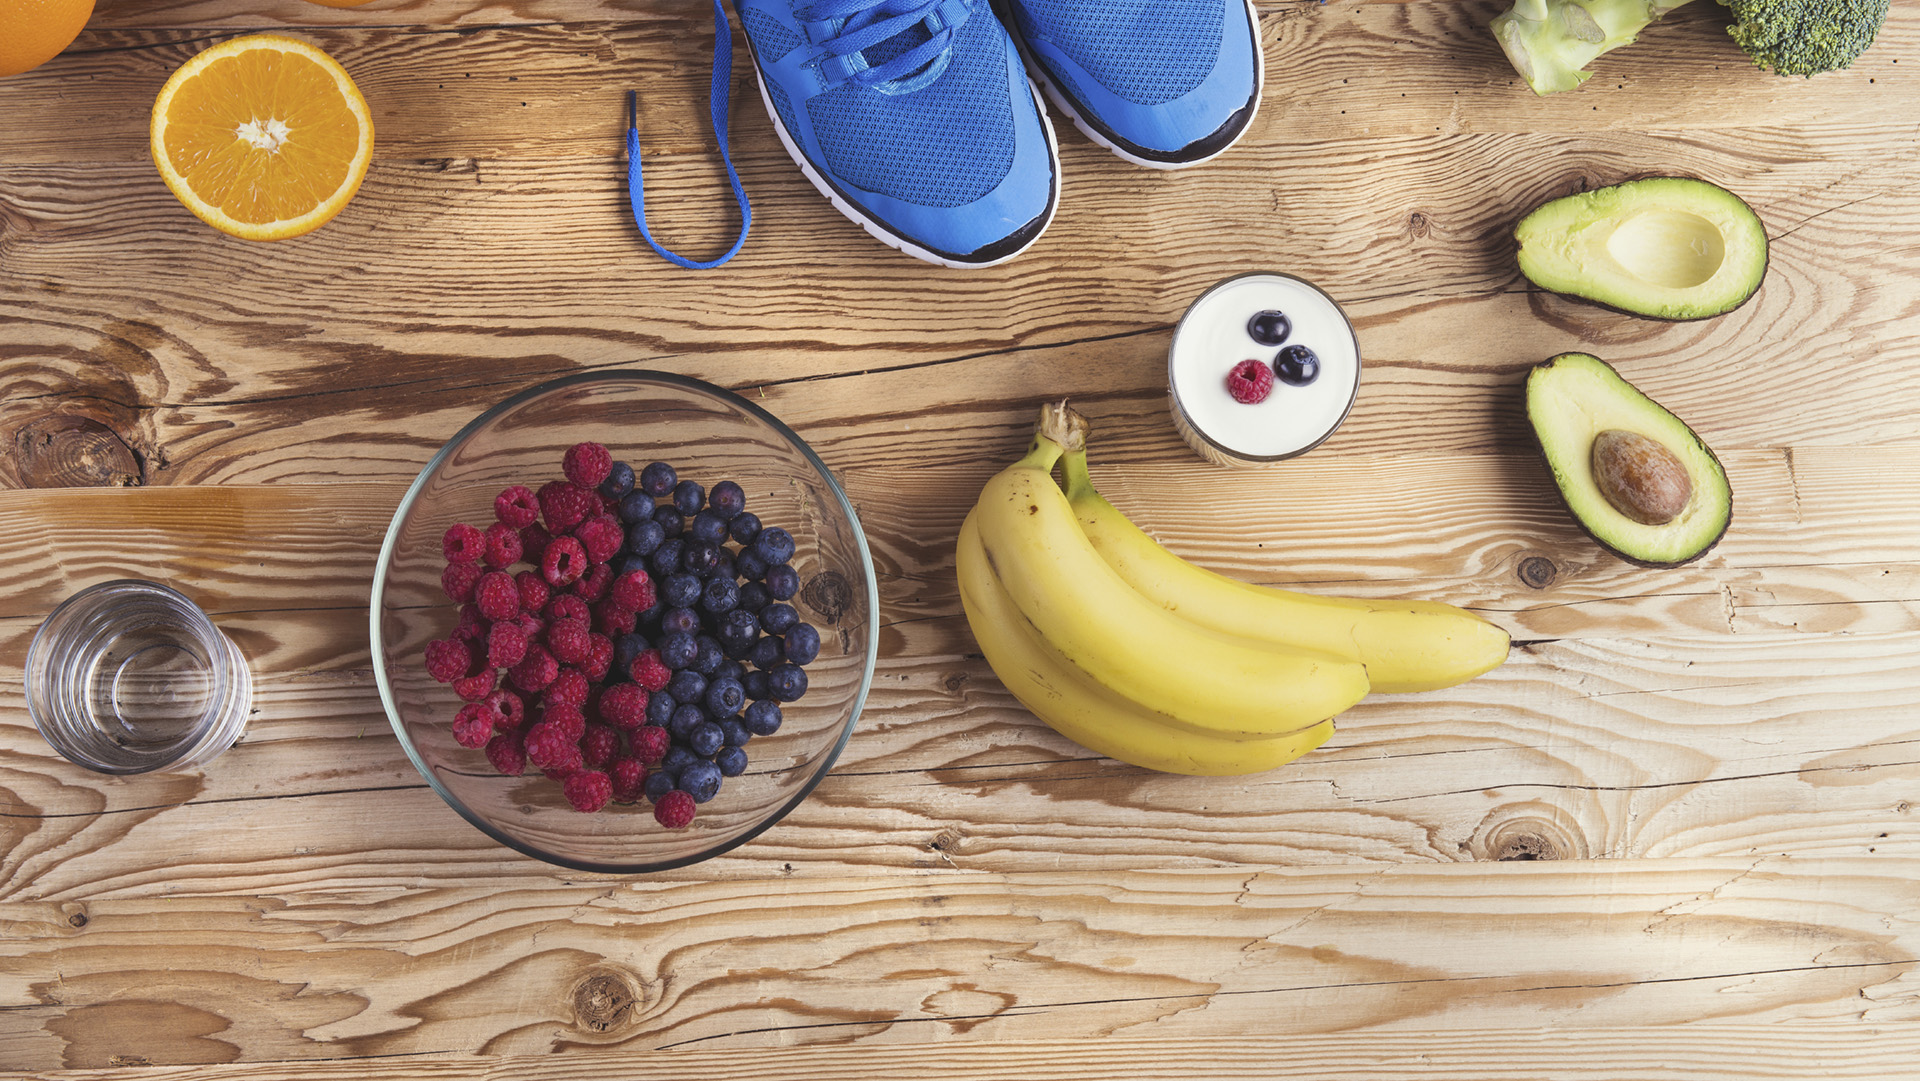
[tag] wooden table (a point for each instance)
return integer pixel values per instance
(1675, 835)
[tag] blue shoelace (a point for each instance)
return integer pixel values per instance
(717, 99)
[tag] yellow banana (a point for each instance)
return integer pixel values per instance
(1405, 645)
(1087, 713)
(1202, 679)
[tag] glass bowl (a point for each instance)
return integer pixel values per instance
(708, 435)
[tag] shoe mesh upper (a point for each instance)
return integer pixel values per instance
(771, 38)
(1146, 51)
(944, 145)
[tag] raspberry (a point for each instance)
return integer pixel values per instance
(459, 579)
(477, 686)
(505, 644)
(568, 606)
(471, 623)
(565, 717)
(497, 596)
(508, 708)
(588, 790)
(563, 562)
(624, 705)
(650, 743)
(586, 464)
(601, 536)
(462, 543)
(516, 507)
(599, 657)
(564, 505)
(535, 670)
(533, 543)
(674, 811)
(628, 776)
(593, 585)
(610, 618)
(552, 748)
(567, 640)
(1250, 382)
(649, 671)
(569, 687)
(532, 624)
(534, 591)
(598, 745)
(634, 591)
(508, 754)
(472, 726)
(448, 660)
(503, 546)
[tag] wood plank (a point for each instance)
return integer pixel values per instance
(904, 962)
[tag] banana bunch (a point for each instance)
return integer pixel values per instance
(1132, 652)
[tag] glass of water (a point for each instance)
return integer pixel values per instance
(131, 676)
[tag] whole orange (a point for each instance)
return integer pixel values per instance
(33, 32)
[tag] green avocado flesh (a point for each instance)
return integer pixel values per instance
(1669, 247)
(1571, 400)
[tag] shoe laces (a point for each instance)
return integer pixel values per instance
(868, 23)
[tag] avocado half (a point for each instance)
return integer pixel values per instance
(1667, 247)
(1574, 398)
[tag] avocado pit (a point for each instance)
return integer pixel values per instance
(1641, 478)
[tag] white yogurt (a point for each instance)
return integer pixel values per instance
(1212, 338)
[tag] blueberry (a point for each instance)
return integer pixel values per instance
(649, 618)
(727, 499)
(688, 497)
(750, 566)
(658, 479)
(723, 568)
(732, 670)
(745, 527)
(778, 618)
(766, 653)
(665, 559)
(708, 656)
(736, 732)
(731, 761)
(658, 784)
(670, 521)
(619, 481)
(625, 649)
(635, 506)
(754, 596)
(644, 536)
(787, 681)
(625, 564)
(803, 643)
(1269, 327)
(700, 557)
(762, 718)
(783, 582)
(708, 526)
(1296, 366)
(775, 545)
(687, 687)
(680, 621)
(739, 626)
(685, 719)
(720, 596)
(701, 780)
(660, 709)
(756, 685)
(678, 758)
(677, 650)
(724, 699)
(705, 739)
(680, 590)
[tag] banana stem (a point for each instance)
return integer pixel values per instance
(1073, 467)
(1062, 425)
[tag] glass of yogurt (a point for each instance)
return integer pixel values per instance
(1236, 321)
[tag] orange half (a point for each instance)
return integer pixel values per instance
(264, 137)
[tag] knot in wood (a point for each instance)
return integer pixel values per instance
(73, 452)
(1419, 225)
(829, 594)
(1538, 572)
(1528, 831)
(603, 1002)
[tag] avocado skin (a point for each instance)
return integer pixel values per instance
(1765, 254)
(1540, 444)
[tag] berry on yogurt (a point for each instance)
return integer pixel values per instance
(1250, 382)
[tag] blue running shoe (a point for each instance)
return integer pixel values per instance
(914, 117)
(1162, 83)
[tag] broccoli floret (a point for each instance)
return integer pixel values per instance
(1549, 41)
(1805, 37)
